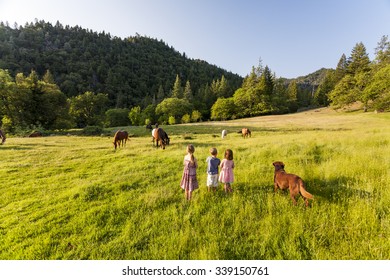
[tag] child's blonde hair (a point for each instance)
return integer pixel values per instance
(213, 151)
(191, 150)
(229, 154)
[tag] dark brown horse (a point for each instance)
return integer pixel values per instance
(161, 137)
(246, 132)
(2, 136)
(120, 137)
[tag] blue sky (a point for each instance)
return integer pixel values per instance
(294, 38)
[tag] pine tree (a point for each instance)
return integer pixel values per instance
(177, 90)
(341, 68)
(250, 80)
(359, 60)
(160, 94)
(48, 77)
(223, 87)
(326, 86)
(187, 94)
(292, 93)
(268, 81)
(382, 51)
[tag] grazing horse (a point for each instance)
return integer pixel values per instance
(2, 136)
(224, 133)
(246, 133)
(161, 136)
(120, 136)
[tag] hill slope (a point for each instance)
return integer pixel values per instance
(130, 70)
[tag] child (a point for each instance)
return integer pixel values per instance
(226, 176)
(212, 169)
(189, 182)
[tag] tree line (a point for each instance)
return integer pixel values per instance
(133, 72)
(357, 79)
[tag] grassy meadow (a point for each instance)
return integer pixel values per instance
(74, 197)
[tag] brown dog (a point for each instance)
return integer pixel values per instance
(295, 184)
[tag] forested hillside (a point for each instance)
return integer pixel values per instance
(129, 70)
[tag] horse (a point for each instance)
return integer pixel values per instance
(224, 133)
(120, 136)
(161, 136)
(246, 133)
(2, 136)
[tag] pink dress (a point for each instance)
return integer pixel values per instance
(226, 175)
(189, 180)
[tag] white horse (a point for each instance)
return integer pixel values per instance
(224, 133)
(154, 129)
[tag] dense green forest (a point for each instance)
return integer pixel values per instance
(56, 77)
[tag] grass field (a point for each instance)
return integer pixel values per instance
(73, 197)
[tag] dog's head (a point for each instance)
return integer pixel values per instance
(278, 165)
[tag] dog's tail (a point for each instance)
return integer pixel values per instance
(303, 191)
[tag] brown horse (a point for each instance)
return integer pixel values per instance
(120, 136)
(246, 133)
(160, 136)
(2, 136)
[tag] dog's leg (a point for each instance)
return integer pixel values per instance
(293, 199)
(276, 187)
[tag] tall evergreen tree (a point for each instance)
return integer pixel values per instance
(359, 60)
(326, 86)
(292, 93)
(160, 94)
(187, 94)
(342, 67)
(177, 91)
(382, 51)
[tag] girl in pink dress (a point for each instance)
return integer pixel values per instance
(189, 182)
(226, 176)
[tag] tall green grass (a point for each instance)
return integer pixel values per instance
(67, 197)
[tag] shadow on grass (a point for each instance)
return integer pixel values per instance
(336, 190)
(17, 148)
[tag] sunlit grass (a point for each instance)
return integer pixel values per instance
(68, 197)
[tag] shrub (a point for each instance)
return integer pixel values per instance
(92, 130)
